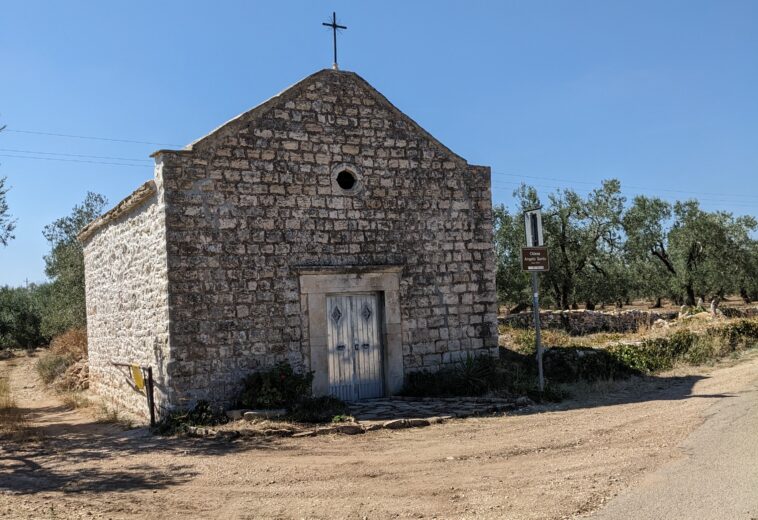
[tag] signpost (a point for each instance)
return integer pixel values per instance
(534, 259)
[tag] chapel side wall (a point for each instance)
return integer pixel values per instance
(244, 210)
(127, 305)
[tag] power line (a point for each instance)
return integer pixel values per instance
(571, 181)
(723, 202)
(92, 138)
(75, 155)
(73, 160)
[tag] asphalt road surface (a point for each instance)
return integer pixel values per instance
(718, 477)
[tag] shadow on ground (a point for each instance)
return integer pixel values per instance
(81, 457)
(577, 377)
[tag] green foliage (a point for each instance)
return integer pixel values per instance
(31, 316)
(277, 387)
(319, 410)
(659, 354)
(583, 236)
(602, 252)
(513, 285)
(739, 333)
(516, 374)
(473, 376)
(63, 298)
(7, 223)
(572, 364)
(20, 318)
(203, 414)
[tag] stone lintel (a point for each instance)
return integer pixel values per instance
(346, 269)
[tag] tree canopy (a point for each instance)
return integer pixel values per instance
(605, 251)
(7, 222)
(64, 266)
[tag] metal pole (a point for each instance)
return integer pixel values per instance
(150, 396)
(538, 339)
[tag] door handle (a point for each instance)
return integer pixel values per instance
(340, 347)
(357, 347)
(365, 346)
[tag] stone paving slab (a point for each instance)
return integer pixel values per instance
(389, 413)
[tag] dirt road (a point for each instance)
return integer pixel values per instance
(716, 479)
(555, 462)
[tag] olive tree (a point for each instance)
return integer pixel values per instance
(64, 265)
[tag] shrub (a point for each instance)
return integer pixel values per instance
(203, 414)
(656, 355)
(572, 364)
(471, 377)
(51, 366)
(513, 374)
(741, 333)
(277, 387)
(71, 343)
(65, 350)
(318, 410)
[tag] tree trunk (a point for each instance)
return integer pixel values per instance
(690, 299)
(715, 305)
(745, 296)
(657, 304)
(589, 306)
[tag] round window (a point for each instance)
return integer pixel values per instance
(346, 180)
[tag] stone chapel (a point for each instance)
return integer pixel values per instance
(323, 227)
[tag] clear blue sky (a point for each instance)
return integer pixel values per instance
(661, 95)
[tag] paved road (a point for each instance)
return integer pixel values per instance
(718, 477)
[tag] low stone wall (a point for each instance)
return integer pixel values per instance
(731, 312)
(578, 323)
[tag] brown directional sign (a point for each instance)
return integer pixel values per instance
(534, 259)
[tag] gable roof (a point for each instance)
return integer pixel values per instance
(234, 124)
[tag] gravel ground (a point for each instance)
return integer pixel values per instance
(558, 461)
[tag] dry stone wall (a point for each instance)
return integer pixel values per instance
(127, 299)
(257, 198)
(588, 322)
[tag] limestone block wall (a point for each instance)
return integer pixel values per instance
(127, 298)
(256, 199)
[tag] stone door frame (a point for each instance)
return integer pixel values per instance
(317, 282)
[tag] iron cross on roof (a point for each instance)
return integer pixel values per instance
(334, 27)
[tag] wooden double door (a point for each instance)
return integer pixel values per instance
(355, 346)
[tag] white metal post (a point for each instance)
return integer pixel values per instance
(538, 339)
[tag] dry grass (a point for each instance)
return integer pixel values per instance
(72, 343)
(522, 340)
(733, 301)
(12, 421)
(75, 400)
(64, 351)
(112, 414)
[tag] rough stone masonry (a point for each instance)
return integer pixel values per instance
(203, 272)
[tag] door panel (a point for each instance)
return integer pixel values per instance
(354, 346)
(341, 373)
